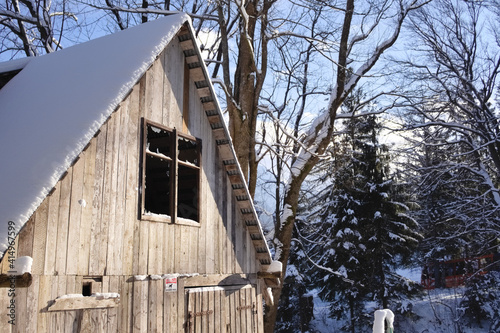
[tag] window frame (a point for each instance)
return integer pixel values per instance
(172, 218)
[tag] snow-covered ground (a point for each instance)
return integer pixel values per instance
(436, 312)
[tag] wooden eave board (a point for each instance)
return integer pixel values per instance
(226, 151)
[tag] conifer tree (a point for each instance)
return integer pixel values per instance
(365, 232)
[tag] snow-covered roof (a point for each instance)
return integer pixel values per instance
(14, 65)
(52, 108)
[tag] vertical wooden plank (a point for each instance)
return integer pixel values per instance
(181, 310)
(209, 222)
(52, 222)
(25, 238)
(160, 250)
(198, 319)
(170, 248)
(233, 318)
(190, 310)
(160, 324)
(106, 236)
(204, 241)
(70, 316)
(225, 314)
(175, 77)
(53, 317)
(140, 312)
(249, 310)
(211, 311)
(143, 247)
(258, 315)
(167, 89)
(75, 213)
(40, 238)
(97, 205)
(136, 246)
(123, 309)
(154, 92)
(186, 252)
(165, 255)
(62, 224)
(112, 316)
(99, 316)
(59, 290)
(120, 178)
(153, 258)
(248, 248)
(21, 309)
(78, 284)
(186, 97)
(44, 290)
(152, 304)
(242, 312)
(87, 204)
(193, 250)
(131, 198)
(237, 238)
(169, 324)
(215, 317)
(108, 222)
(205, 307)
(85, 323)
(229, 230)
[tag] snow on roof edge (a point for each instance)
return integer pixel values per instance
(24, 200)
(13, 65)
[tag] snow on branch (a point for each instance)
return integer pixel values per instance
(327, 269)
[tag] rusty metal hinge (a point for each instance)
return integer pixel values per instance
(199, 314)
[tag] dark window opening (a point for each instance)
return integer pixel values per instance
(171, 173)
(87, 289)
(158, 185)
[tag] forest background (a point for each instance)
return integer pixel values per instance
(368, 132)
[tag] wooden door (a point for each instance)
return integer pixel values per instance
(230, 309)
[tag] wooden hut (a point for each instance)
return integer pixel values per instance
(120, 182)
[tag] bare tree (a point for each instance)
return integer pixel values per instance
(455, 82)
(350, 68)
(34, 27)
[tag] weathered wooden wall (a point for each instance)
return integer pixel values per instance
(88, 226)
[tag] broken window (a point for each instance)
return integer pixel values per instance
(171, 173)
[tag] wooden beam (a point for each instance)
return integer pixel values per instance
(192, 59)
(197, 74)
(21, 281)
(219, 280)
(226, 154)
(204, 92)
(187, 45)
(209, 106)
(219, 134)
(268, 275)
(89, 302)
(272, 283)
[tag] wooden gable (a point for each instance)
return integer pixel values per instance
(87, 235)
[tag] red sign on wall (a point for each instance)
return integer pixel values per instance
(170, 284)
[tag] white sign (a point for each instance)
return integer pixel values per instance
(170, 284)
